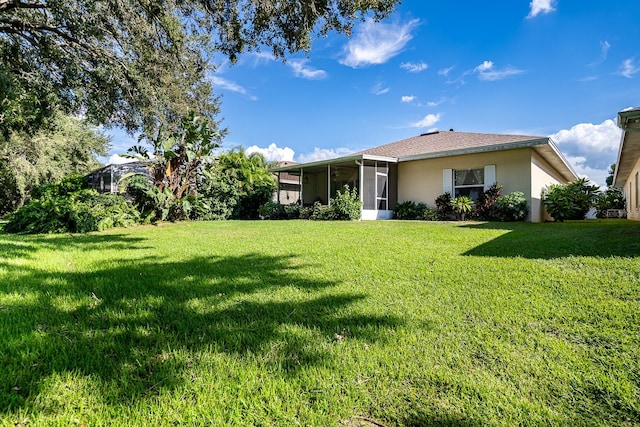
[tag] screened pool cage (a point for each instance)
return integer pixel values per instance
(375, 181)
(109, 178)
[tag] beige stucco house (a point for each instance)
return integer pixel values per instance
(423, 167)
(627, 175)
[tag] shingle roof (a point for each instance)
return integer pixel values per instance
(445, 144)
(441, 142)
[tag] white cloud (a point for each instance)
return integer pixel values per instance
(414, 67)
(428, 120)
(376, 43)
(116, 159)
(540, 6)
(409, 98)
(300, 69)
(319, 154)
(223, 83)
(590, 148)
(588, 79)
(487, 71)
(378, 89)
(580, 166)
(445, 71)
(604, 49)
(273, 153)
(260, 58)
(629, 68)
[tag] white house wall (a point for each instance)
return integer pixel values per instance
(422, 180)
(632, 192)
(542, 175)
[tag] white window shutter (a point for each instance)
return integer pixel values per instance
(489, 176)
(447, 181)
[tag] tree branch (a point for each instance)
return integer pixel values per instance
(6, 5)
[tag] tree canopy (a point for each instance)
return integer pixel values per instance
(145, 63)
(68, 146)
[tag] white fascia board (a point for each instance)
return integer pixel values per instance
(380, 158)
(318, 163)
(562, 158)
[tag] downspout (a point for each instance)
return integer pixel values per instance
(278, 197)
(301, 185)
(329, 184)
(361, 184)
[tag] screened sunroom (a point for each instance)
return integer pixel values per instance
(374, 177)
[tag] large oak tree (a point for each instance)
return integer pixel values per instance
(144, 63)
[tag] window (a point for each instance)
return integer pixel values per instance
(468, 182)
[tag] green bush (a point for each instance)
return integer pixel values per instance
(66, 186)
(485, 207)
(462, 206)
(570, 201)
(75, 212)
(443, 205)
(346, 205)
(611, 198)
(430, 214)
(292, 211)
(322, 212)
(511, 207)
(272, 210)
(409, 210)
(306, 212)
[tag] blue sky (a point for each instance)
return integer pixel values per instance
(560, 68)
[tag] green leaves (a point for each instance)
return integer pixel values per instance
(144, 65)
(570, 201)
(67, 146)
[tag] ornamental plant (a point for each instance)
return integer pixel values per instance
(570, 201)
(462, 205)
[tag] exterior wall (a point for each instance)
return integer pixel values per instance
(289, 193)
(542, 175)
(421, 180)
(632, 193)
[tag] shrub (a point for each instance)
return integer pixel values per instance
(443, 205)
(292, 211)
(430, 214)
(611, 198)
(346, 205)
(409, 210)
(569, 201)
(485, 207)
(75, 212)
(462, 205)
(322, 212)
(511, 207)
(272, 210)
(143, 195)
(66, 186)
(306, 212)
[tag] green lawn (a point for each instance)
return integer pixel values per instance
(320, 323)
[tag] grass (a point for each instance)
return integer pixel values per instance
(320, 323)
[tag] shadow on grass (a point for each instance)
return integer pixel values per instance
(125, 322)
(23, 246)
(596, 238)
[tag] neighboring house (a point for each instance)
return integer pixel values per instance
(423, 167)
(107, 179)
(288, 190)
(628, 163)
